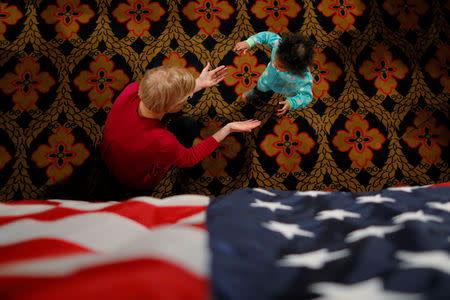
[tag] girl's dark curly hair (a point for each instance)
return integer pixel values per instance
(295, 52)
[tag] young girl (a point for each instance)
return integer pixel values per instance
(287, 72)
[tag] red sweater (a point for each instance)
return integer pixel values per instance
(139, 151)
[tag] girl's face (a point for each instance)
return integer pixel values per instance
(278, 65)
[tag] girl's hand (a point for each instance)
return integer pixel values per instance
(284, 108)
(241, 46)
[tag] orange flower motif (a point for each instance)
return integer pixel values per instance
(359, 140)
(244, 73)
(25, 83)
(60, 155)
(5, 157)
(67, 14)
(438, 67)
(8, 15)
(322, 72)
(208, 12)
(408, 11)
(174, 59)
(100, 80)
(427, 136)
(276, 12)
(343, 11)
(383, 68)
(138, 14)
(287, 144)
(216, 162)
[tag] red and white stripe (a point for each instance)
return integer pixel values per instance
(142, 248)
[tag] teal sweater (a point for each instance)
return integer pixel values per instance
(297, 89)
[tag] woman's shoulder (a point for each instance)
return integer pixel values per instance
(128, 94)
(132, 87)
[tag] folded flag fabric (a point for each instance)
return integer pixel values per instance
(389, 244)
(142, 248)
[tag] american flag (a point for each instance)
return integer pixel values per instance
(389, 244)
(250, 244)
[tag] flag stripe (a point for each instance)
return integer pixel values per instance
(133, 279)
(145, 213)
(103, 232)
(40, 248)
(183, 245)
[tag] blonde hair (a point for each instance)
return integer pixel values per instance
(165, 87)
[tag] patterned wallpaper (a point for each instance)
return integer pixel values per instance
(379, 117)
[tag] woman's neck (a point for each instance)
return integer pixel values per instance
(144, 112)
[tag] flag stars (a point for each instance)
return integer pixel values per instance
(371, 289)
(377, 231)
(313, 260)
(288, 230)
(439, 205)
(437, 259)
(313, 194)
(263, 191)
(415, 216)
(373, 199)
(406, 189)
(338, 214)
(273, 206)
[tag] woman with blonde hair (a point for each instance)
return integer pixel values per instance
(137, 148)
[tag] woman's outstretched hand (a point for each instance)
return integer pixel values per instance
(243, 126)
(209, 78)
(240, 126)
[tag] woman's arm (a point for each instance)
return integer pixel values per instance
(242, 126)
(178, 155)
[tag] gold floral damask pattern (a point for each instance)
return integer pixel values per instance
(66, 15)
(25, 83)
(383, 69)
(9, 15)
(358, 140)
(342, 12)
(287, 144)
(174, 59)
(379, 116)
(101, 80)
(59, 156)
(138, 15)
(323, 72)
(208, 13)
(427, 136)
(276, 13)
